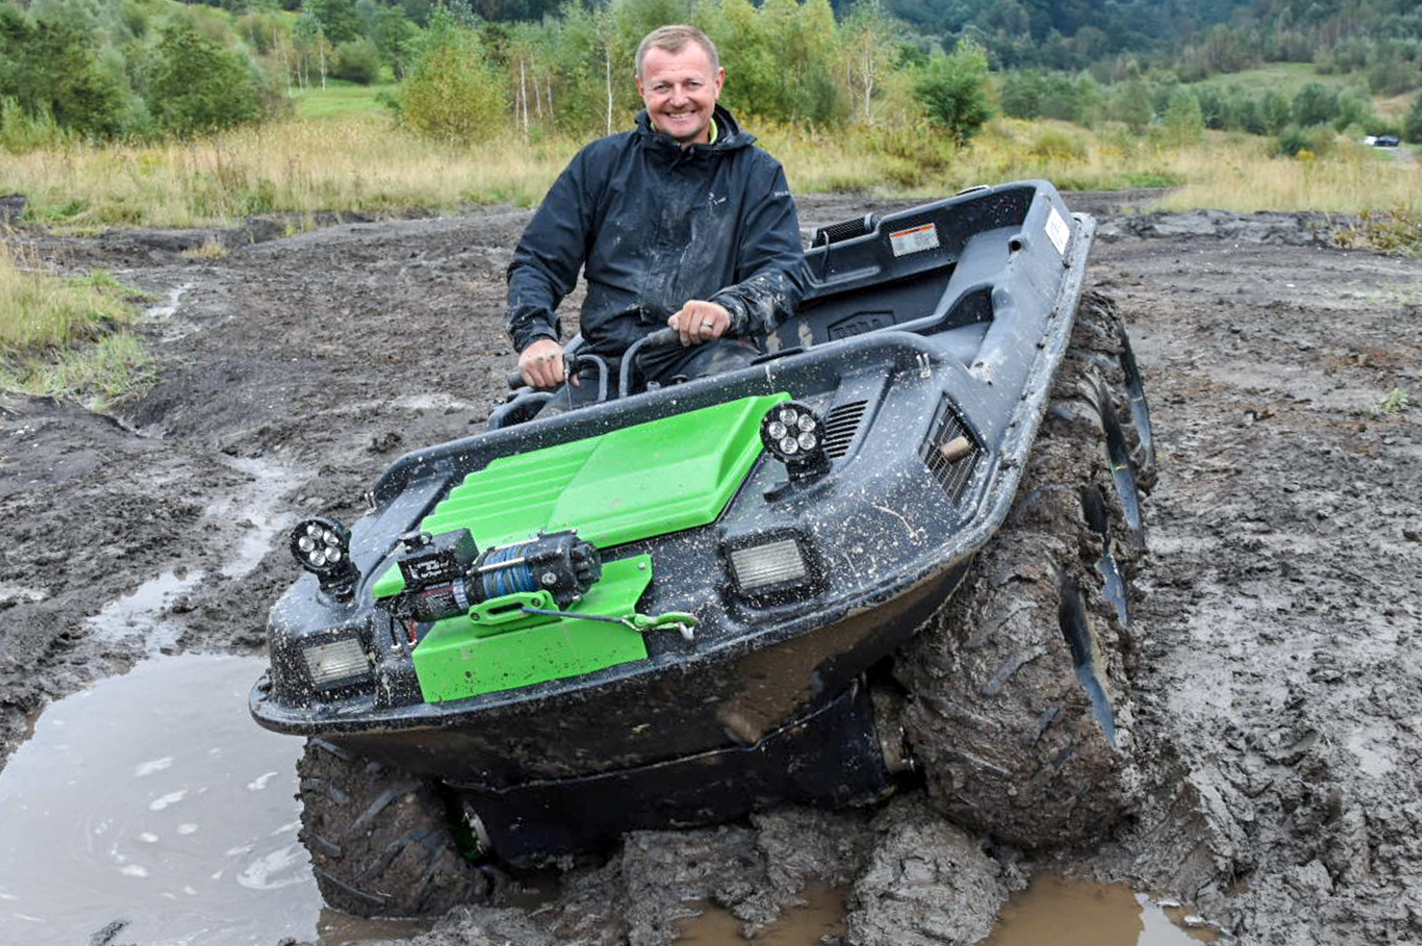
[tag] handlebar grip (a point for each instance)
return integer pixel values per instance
(570, 365)
(661, 337)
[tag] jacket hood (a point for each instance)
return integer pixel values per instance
(729, 137)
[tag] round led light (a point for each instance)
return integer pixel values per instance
(791, 433)
(322, 546)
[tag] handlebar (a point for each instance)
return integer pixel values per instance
(575, 363)
(658, 339)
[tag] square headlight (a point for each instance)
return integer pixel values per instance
(779, 564)
(338, 661)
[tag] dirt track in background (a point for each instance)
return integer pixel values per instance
(1278, 684)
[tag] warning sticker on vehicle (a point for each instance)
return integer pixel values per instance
(1058, 231)
(915, 240)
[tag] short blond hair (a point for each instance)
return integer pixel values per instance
(673, 39)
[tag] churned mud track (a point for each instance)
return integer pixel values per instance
(1275, 651)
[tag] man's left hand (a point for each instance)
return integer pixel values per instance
(699, 321)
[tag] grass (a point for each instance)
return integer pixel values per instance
(68, 337)
(342, 100)
(1395, 402)
(352, 160)
(1397, 232)
(1286, 78)
(210, 249)
(340, 153)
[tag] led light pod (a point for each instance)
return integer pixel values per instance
(323, 547)
(794, 435)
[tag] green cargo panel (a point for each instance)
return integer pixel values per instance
(457, 660)
(642, 481)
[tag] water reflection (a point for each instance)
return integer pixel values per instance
(1061, 911)
(152, 800)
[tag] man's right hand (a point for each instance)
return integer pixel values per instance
(541, 364)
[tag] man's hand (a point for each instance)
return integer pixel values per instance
(542, 364)
(699, 321)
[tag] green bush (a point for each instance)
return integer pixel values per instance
(450, 91)
(53, 75)
(1055, 144)
(357, 61)
(1293, 140)
(1412, 124)
(200, 87)
(1315, 104)
(953, 89)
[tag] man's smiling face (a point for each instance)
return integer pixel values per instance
(680, 90)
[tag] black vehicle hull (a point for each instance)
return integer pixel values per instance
(916, 348)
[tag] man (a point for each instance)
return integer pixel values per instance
(681, 222)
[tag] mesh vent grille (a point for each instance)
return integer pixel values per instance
(841, 426)
(952, 475)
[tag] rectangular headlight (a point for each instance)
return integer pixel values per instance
(779, 562)
(336, 661)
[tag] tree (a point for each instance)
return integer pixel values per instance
(201, 87)
(338, 19)
(450, 92)
(1183, 121)
(53, 73)
(1412, 124)
(953, 89)
(1021, 93)
(1315, 104)
(866, 40)
(357, 61)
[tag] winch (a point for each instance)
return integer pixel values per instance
(446, 575)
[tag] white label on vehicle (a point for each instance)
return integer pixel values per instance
(915, 240)
(1058, 231)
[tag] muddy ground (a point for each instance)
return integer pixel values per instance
(1278, 685)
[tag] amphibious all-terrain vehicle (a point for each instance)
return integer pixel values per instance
(674, 606)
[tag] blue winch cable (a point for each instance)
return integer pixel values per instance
(514, 577)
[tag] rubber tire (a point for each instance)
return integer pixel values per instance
(1000, 717)
(380, 840)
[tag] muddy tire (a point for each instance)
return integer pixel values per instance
(380, 840)
(1019, 711)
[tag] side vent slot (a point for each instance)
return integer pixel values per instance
(949, 451)
(841, 426)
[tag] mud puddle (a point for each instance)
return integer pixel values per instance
(1059, 911)
(1054, 911)
(150, 808)
(820, 920)
(143, 615)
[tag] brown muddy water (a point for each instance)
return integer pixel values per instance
(1053, 911)
(151, 809)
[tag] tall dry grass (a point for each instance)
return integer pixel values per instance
(358, 162)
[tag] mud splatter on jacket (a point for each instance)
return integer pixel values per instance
(654, 225)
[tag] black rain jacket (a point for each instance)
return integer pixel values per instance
(655, 225)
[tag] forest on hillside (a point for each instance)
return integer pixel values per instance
(109, 69)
